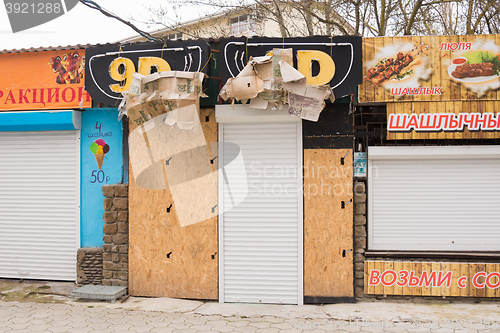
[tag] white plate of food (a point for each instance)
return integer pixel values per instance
(461, 71)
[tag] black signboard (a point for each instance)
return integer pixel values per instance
(109, 68)
(345, 51)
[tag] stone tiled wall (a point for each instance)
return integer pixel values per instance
(115, 249)
(89, 265)
(359, 236)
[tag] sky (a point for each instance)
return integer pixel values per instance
(81, 25)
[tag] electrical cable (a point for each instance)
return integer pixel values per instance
(93, 5)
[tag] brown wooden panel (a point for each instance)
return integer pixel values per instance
(464, 271)
(435, 65)
(424, 108)
(407, 266)
(426, 290)
(497, 290)
(464, 92)
(416, 107)
(445, 57)
(417, 269)
(369, 265)
(481, 292)
(489, 268)
(425, 40)
(390, 109)
(441, 108)
(474, 107)
(445, 268)
(166, 259)
(388, 265)
(369, 91)
(379, 289)
(380, 90)
(489, 106)
(434, 108)
(455, 290)
(463, 107)
(408, 109)
(398, 109)
(398, 266)
(328, 229)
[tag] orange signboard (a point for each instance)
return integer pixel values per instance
(43, 80)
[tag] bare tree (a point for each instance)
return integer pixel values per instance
(339, 17)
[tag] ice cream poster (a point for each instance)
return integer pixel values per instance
(99, 148)
(101, 154)
(431, 68)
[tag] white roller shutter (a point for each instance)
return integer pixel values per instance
(434, 198)
(39, 204)
(261, 239)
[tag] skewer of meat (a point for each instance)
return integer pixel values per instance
(390, 67)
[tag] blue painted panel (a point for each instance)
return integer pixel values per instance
(98, 124)
(39, 121)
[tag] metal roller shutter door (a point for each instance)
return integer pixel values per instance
(39, 204)
(434, 198)
(262, 238)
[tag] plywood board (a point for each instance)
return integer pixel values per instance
(328, 229)
(165, 259)
(432, 278)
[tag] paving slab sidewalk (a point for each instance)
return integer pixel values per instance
(142, 314)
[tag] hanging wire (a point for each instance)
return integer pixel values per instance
(93, 5)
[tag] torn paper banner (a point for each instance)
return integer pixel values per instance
(170, 150)
(155, 94)
(248, 84)
(273, 81)
(304, 100)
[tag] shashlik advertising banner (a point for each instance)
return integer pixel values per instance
(43, 80)
(431, 68)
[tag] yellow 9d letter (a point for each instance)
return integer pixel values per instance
(326, 66)
(123, 76)
(146, 63)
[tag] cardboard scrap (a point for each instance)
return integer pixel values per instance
(304, 100)
(247, 84)
(244, 87)
(273, 81)
(152, 95)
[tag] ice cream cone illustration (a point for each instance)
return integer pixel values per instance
(99, 159)
(99, 148)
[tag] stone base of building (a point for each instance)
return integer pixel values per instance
(89, 265)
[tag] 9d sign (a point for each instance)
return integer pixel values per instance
(109, 69)
(336, 61)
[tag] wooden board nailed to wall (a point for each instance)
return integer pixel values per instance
(167, 259)
(432, 279)
(328, 255)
